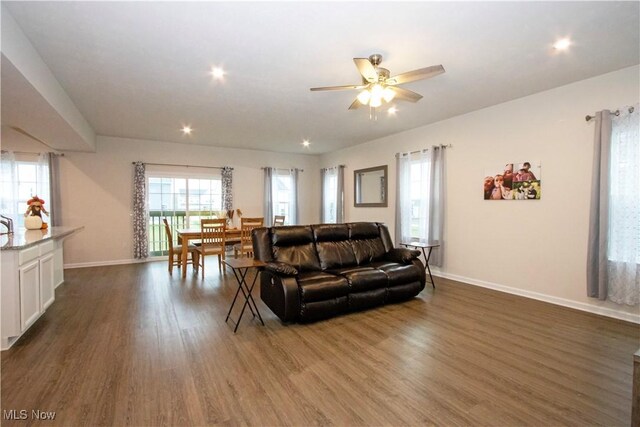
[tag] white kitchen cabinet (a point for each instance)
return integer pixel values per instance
(47, 285)
(31, 268)
(29, 288)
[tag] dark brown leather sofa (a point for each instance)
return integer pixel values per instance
(319, 271)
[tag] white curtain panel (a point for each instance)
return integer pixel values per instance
(340, 195)
(268, 196)
(436, 203)
(43, 188)
(623, 252)
(412, 203)
(295, 208)
(42, 178)
(9, 191)
(55, 204)
(332, 180)
(599, 208)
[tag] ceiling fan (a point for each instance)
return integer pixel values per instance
(377, 85)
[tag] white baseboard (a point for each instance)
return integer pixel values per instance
(603, 311)
(105, 263)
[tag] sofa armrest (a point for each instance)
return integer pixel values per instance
(280, 268)
(280, 293)
(402, 255)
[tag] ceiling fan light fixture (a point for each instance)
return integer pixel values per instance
(377, 92)
(375, 102)
(388, 94)
(364, 97)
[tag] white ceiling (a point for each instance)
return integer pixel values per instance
(140, 69)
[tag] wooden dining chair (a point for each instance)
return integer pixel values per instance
(175, 252)
(278, 220)
(212, 241)
(246, 245)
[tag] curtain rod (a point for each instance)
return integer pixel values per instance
(183, 166)
(301, 170)
(615, 113)
(30, 152)
(425, 149)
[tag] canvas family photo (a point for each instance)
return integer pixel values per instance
(513, 181)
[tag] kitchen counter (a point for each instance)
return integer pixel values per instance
(23, 238)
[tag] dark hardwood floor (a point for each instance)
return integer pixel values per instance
(130, 345)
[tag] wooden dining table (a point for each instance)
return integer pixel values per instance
(232, 236)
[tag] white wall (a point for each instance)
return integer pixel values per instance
(534, 248)
(17, 48)
(97, 189)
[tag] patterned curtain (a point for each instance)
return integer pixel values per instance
(140, 217)
(227, 188)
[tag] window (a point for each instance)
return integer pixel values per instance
(413, 175)
(23, 176)
(420, 200)
(283, 187)
(184, 201)
(330, 198)
(613, 256)
(624, 196)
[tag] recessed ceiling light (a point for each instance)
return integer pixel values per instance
(306, 143)
(186, 130)
(217, 73)
(562, 44)
(392, 111)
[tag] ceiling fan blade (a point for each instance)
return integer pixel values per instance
(405, 94)
(411, 76)
(367, 69)
(355, 104)
(345, 87)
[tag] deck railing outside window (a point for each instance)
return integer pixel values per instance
(158, 244)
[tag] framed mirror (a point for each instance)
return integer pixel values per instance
(370, 187)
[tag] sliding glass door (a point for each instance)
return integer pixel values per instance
(183, 201)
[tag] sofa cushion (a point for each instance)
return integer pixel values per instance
(302, 257)
(363, 230)
(404, 292)
(399, 274)
(367, 250)
(363, 278)
(330, 232)
(310, 311)
(292, 235)
(294, 245)
(381, 264)
(319, 286)
(332, 244)
(367, 299)
(335, 254)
